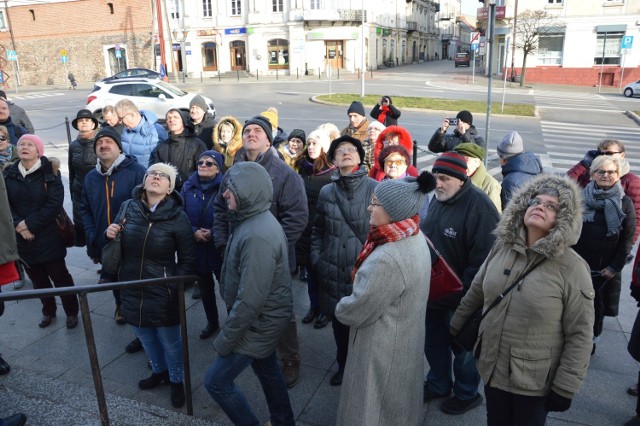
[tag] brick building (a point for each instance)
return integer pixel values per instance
(99, 38)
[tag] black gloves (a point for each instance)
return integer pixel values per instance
(589, 156)
(555, 402)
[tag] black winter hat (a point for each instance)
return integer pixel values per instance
(466, 117)
(297, 133)
(108, 132)
(85, 113)
(346, 138)
(262, 122)
(356, 107)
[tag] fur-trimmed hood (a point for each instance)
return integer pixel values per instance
(404, 138)
(510, 231)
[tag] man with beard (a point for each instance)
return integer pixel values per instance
(459, 223)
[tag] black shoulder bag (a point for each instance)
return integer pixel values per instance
(468, 334)
(112, 251)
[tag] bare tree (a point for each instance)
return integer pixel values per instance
(532, 24)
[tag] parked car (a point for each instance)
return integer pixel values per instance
(152, 95)
(462, 58)
(134, 73)
(632, 89)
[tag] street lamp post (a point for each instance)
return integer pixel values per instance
(492, 23)
(180, 36)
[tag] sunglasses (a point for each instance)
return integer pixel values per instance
(3, 138)
(205, 163)
(396, 162)
(612, 152)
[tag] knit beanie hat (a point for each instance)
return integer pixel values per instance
(108, 132)
(451, 164)
(36, 141)
(272, 115)
(167, 169)
(466, 117)
(402, 198)
(199, 102)
(322, 138)
(297, 133)
(356, 107)
(469, 149)
(511, 145)
(219, 159)
(263, 122)
(349, 139)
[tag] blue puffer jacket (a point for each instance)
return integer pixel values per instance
(518, 170)
(102, 195)
(142, 139)
(150, 241)
(196, 199)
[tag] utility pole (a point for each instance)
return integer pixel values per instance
(13, 45)
(163, 58)
(513, 49)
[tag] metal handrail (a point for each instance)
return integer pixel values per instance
(82, 292)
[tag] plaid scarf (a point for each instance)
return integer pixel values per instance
(608, 200)
(379, 235)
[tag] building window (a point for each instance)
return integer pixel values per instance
(3, 20)
(608, 48)
(209, 57)
(174, 12)
(278, 53)
(277, 5)
(384, 50)
(550, 49)
(206, 9)
(555, 1)
(314, 4)
(236, 7)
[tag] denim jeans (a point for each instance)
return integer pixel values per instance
(163, 346)
(438, 352)
(219, 382)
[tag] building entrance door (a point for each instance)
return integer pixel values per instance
(238, 56)
(333, 55)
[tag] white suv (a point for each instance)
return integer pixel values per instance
(151, 95)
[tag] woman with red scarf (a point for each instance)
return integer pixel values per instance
(385, 112)
(386, 311)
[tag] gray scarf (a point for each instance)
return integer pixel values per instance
(609, 200)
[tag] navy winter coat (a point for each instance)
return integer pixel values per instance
(102, 196)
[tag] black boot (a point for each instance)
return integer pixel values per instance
(154, 380)
(177, 394)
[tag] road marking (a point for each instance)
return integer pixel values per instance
(37, 95)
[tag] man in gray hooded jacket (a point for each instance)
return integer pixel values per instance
(256, 287)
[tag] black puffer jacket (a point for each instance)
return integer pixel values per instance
(204, 130)
(334, 246)
(38, 208)
(443, 142)
(82, 159)
(150, 241)
(181, 150)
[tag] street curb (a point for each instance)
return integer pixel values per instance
(315, 99)
(632, 115)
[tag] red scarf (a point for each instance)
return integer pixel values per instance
(382, 116)
(379, 235)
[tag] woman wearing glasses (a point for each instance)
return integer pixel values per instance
(534, 345)
(392, 136)
(609, 222)
(198, 194)
(155, 229)
(8, 152)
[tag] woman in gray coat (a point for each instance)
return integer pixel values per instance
(382, 382)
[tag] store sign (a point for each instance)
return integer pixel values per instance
(483, 12)
(235, 31)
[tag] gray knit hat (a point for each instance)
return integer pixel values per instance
(402, 198)
(200, 102)
(511, 145)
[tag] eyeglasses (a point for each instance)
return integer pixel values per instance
(346, 150)
(120, 119)
(374, 203)
(601, 172)
(399, 162)
(205, 163)
(612, 152)
(3, 138)
(154, 174)
(533, 202)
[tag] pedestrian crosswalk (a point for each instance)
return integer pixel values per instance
(566, 143)
(545, 99)
(38, 95)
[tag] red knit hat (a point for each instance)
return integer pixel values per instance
(451, 164)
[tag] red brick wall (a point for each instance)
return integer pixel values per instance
(579, 76)
(82, 28)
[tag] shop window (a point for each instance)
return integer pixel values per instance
(278, 53)
(550, 49)
(209, 56)
(608, 48)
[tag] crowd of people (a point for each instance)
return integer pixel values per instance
(249, 206)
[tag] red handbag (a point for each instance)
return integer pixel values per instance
(8, 273)
(446, 288)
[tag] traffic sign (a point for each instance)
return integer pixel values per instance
(65, 59)
(474, 46)
(475, 36)
(12, 55)
(63, 52)
(627, 42)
